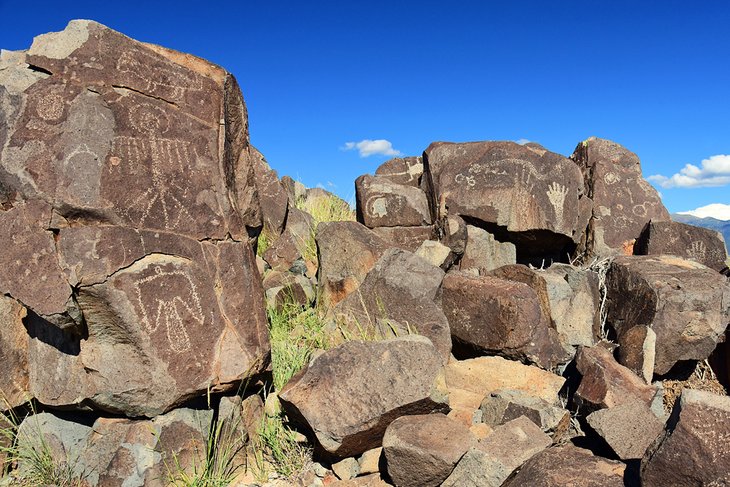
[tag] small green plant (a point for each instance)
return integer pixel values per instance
(278, 448)
(266, 238)
(328, 208)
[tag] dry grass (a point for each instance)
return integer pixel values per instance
(702, 379)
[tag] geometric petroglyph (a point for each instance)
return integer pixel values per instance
(149, 119)
(556, 195)
(158, 78)
(611, 178)
(50, 107)
(469, 181)
(377, 206)
(173, 312)
(698, 250)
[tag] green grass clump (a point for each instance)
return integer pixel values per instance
(265, 239)
(278, 448)
(322, 209)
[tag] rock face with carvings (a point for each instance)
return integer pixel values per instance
(126, 173)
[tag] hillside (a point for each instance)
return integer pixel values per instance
(722, 226)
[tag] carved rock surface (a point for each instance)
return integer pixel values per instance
(129, 197)
(406, 238)
(505, 405)
(623, 201)
(694, 449)
(402, 170)
(568, 466)
(535, 196)
(667, 237)
(422, 450)
(684, 302)
(349, 395)
(383, 203)
(500, 316)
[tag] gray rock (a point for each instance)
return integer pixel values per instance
(483, 253)
(505, 405)
(629, 428)
(436, 254)
(346, 469)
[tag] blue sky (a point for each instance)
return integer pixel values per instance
(653, 76)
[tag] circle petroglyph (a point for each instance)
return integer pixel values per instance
(149, 119)
(50, 107)
(611, 178)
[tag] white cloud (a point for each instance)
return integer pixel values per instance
(369, 147)
(715, 210)
(523, 141)
(714, 171)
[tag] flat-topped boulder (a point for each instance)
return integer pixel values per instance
(383, 203)
(402, 170)
(530, 196)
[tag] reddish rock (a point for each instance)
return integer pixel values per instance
(294, 189)
(498, 316)
(285, 251)
(688, 241)
(402, 170)
(455, 234)
(383, 203)
(637, 351)
(623, 201)
(406, 238)
(629, 428)
(564, 466)
(684, 302)
(694, 449)
(347, 251)
(535, 197)
(422, 450)
(605, 383)
(273, 197)
(403, 376)
(483, 253)
(14, 341)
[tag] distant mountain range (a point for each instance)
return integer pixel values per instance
(722, 226)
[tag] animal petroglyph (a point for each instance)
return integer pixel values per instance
(152, 74)
(170, 298)
(556, 195)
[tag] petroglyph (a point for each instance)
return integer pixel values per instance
(164, 77)
(149, 119)
(698, 250)
(377, 206)
(556, 195)
(469, 181)
(173, 313)
(611, 178)
(50, 107)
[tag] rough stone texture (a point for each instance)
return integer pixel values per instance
(300, 224)
(346, 469)
(685, 303)
(115, 452)
(483, 253)
(372, 480)
(370, 461)
(127, 177)
(498, 455)
(406, 238)
(436, 254)
(397, 298)
(403, 376)
(347, 251)
(623, 202)
(533, 278)
(288, 288)
(14, 341)
(534, 197)
(673, 238)
(294, 189)
(629, 428)
(606, 384)
(286, 252)
(505, 405)
(694, 449)
(422, 450)
(568, 466)
(455, 234)
(574, 303)
(402, 170)
(383, 203)
(499, 316)
(273, 197)
(469, 381)
(637, 351)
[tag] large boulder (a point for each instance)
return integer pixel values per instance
(629, 428)
(402, 170)
(349, 395)
(688, 241)
(127, 174)
(694, 448)
(623, 201)
(273, 196)
(684, 302)
(383, 203)
(14, 342)
(526, 194)
(406, 238)
(483, 253)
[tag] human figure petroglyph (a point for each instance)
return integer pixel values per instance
(556, 195)
(172, 312)
(162, 76)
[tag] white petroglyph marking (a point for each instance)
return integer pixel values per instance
(611, 178)
(83, 153)
(639, 210)
(170, 311)
(377, 206)
(177, 82)
(698, 250)
(50, 107)
(468, 181)
(149, 119)
(556, 195)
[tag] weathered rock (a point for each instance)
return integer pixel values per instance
(346, 469)
(422, 450)
(629, 428)
(469, 381)
(436, 254)
(347, 251)
(403, 376)
(397, 298)
(406, 238)
(637, 351)
(505, 405)
(369, 461)
(294, 189)
(117, 451)
(14, 341)
(688, 241)
(606, 384)
(499, 316)
(273, 197)
(684, 302)
(623, 202)
(402, 170)
(532, 197)
(287, 288)
(372, 480)
(568, 466)
(240, 420)
(483, 253)
(131, 178)
(694, 449)
(533, 278)
(383, 203)
(498, 455)
(300, 224)
(574, 303)
(285, 252)
(455, 234)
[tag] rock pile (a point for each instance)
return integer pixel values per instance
(493, 314)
